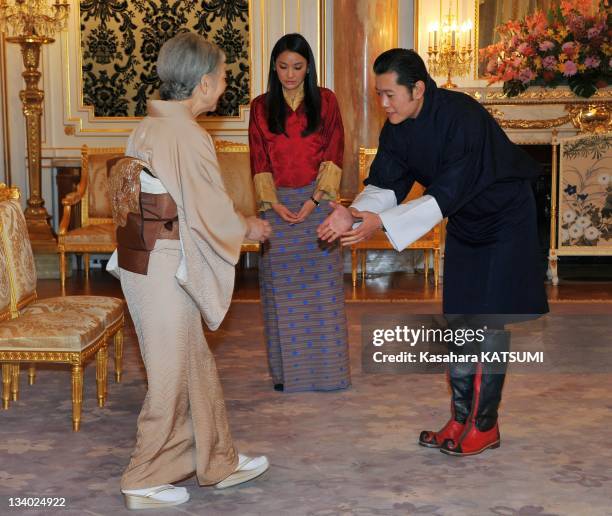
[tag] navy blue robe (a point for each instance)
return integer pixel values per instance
(481, 182)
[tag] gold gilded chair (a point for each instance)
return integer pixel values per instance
(235, 166)
(5, 315)
(64, 329)
(429, 242)
(97, 231)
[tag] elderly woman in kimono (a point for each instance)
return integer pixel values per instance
(186, 274)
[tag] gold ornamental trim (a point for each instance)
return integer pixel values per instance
(536, 95)
(23, 302)
(8, 193)
(85, 248)
(593, 117)
(39, 356)
(116, 326)
(527, 124)
(68, 357)
(227, 146)
(547, 95)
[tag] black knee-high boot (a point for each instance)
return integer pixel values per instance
(460, 377)
(482, 430)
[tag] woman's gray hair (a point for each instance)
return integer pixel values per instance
(182, 62)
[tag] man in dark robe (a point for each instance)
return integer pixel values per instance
(480, 180)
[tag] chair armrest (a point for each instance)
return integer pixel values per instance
(65, 222)
(72, 198)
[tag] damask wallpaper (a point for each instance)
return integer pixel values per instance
(121, 39)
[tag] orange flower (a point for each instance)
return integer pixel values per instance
(582, 6)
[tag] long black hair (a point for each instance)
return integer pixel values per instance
(275, 103)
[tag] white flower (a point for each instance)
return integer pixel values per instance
(576, 231)
(603, 179)
(569, 216)
(583, 221)
(591, 233)
(564, 235)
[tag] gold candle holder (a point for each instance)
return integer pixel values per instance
(451, 52)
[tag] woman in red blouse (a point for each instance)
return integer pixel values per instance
(296, 142)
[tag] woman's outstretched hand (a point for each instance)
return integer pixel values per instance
(258, 229)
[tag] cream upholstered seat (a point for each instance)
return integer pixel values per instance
(46, 332)
(432, 241)
(109, 310)
(97, 231)
(66, 329)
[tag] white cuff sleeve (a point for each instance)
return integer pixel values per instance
(408, 222)
(374, 199)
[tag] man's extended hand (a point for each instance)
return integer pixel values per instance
(370, 224)
(336, 224)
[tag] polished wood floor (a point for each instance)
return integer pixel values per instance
(578, 283)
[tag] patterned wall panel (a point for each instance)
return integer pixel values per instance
(121, 39)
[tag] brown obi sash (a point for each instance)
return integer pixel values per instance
(158, 219)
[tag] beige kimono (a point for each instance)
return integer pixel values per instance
(183, 427)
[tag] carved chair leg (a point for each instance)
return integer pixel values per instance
(436, 266)
(354, 266)
(86, 260)
(32, 374)
(15, 382)
(62, 267)
(7, 370)
(364, 256)
(77, 395)
(101, 373)
(426, 265)
(118, 355)
(554, 274)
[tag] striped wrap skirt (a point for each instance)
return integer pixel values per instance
(301, 282)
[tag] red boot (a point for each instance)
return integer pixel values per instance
(451, 431)
(461, 380)
(472, 442)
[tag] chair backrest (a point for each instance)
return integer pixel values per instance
(95, 170)
(366, 157)
(235, 168)
(6, 194)
(17, 251)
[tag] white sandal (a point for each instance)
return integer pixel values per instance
(248, 468)
(156, 497)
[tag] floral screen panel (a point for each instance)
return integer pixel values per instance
(121, 40)
(586, 193)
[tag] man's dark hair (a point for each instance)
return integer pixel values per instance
(407, 64)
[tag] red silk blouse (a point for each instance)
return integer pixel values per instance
(293, 160)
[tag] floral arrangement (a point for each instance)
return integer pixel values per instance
(568, 45)
(586, 215)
